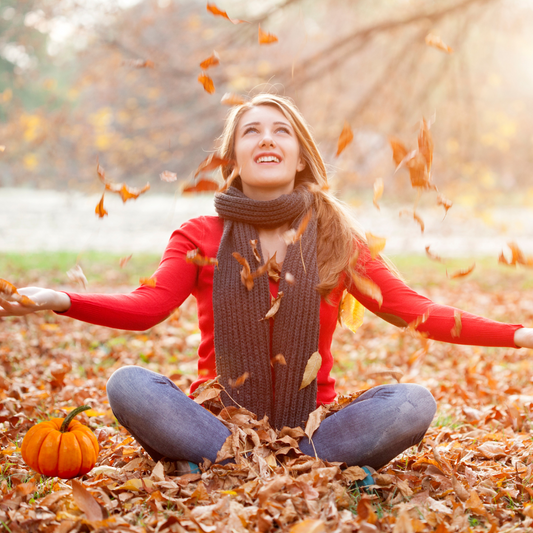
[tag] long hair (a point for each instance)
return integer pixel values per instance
(336, 229)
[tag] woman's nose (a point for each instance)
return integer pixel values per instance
(267, 141)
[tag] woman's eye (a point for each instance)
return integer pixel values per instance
(247, 130)
(284, 130)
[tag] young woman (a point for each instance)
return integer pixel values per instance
(281, 178)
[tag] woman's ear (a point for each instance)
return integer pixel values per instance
(301, 164)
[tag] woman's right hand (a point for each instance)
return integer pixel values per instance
(43, 299)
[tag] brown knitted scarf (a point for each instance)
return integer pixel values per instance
(242, 339)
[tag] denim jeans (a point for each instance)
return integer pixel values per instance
(371, 430)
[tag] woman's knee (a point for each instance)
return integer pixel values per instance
(423, 405)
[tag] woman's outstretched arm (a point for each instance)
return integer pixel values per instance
(403, 306)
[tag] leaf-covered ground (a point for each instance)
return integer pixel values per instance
(472, 471)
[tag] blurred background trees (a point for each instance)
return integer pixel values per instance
(117, 80)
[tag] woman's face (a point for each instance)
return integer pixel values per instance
(267, 153)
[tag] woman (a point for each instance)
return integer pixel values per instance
(281, 178)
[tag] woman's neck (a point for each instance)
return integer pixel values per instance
(272, 242)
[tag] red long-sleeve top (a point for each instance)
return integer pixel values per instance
(176, 280)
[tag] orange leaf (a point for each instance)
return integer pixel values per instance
(436, 42)
(211, 163)
(346, 137)
(475, 504)
(278, 359)
(418, 171)
(293, 235)
(202, 185)
(126, 193)
(212, 61)
(458, 326)
(212, 8)
(246, 274)
(462, 273)
(232, 99)
(124, 261)
(444, 202)
(399, 151)
(168, 176)
(378, 191)
(425, 143)
(9, 293)
(100, 211)
(239, 381)
(375, 244)
(433, 256)
(207, 82)
(415, 217)
(148, 282)
(266, 38)
(193, 256)
(253, 244)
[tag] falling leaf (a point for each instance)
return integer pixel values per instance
(139, 63)
(345, 138)
(517, 257)
(207, 83)
(232, 99)
(253, 244)
(432, 256)
(212, 162)
(311, 370)
(375, 244)
(436, 42)
(212, 8)
(168, 176)
(458, 326)
(246, 274)
(274, 306)
(212, 61)
(315, 418)
(425, 144)
(462, 273)
(100, 210)
(367, 287)
(274, 269)
(10, 293)
(293, 235)
(418, 171)
(76, 275)
(441, 200)
(415, 216)
(266, 38)
(124, 261)
(278, 359)
(289, 278)
(351, 313)
(239, 382)
(148, 282)
(86, 502)
(202, 185)
(399, 151)
(194, 256)
(378, 191)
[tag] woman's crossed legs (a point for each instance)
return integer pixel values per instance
(371, 430)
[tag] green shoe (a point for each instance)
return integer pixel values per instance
(369, 480)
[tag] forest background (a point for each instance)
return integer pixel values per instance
(116, 82)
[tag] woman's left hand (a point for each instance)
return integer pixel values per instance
(523, 337)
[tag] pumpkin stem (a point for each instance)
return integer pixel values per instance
(71, 415)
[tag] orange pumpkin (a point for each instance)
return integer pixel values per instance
(61, 447)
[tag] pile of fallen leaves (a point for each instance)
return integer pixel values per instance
(471, 473)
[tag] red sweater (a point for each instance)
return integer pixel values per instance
(176, 280)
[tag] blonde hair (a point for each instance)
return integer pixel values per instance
(336, 227)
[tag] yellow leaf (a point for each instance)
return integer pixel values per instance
(352, 313)
(311, 370)
(309, 526)
(378, 191)
(136, 484)
(375, 244)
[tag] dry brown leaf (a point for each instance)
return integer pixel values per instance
(432, 256)
(265, 37)
(293, 235)
(124, 261)
(418, 171)
(375, 244)
(274, 269)
(367, 287)
(246, 274)
(425, 144)
(462, 273)
(436, 42)
(212, 162)
(279, 359)
(168, 176)
(415, 216)
(86, 502)
(458, 326)
(365, 510)
(345, 138)
(126, 193)
(76, 275)
(311, 370)
(206, 394)
(194, 256)
(212, 61)
(100, 210)
(201, 186)
(316, 417)
(378, 191)
(459, 489)
(441, 200)
(354, 473)
(239, 382)
(207, 83)
(212, 8)
(399, 151)
(475, 504)
(232, 99)
(253, 244)
(274, 306)
(309, 526)
(9, 292)
(148, 282)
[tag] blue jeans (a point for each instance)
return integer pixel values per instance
(371, 430)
